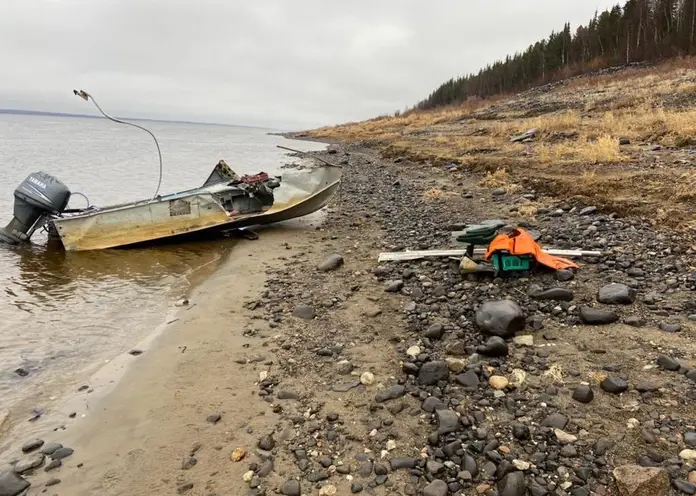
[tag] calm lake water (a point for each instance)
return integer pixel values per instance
(63, 314)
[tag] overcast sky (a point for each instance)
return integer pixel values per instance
(287, 64)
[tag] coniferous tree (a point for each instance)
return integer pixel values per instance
(640, 31)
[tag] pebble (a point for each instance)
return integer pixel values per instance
(436, 488)
(494, 347)
(614, 385)
(563, 437)
(62, 453)
(670, 326)
(690, 439)
(238, 454)
(52, 482)
(305, 312)
(498, 382)
(616, 294)
(513, 484)
(50, 448)
(328, 490)
(597, 316)
(32, 445)
(28, 464)
(503, 318)
(367, 378)
(688, 455)
(394, 286)
(685, 487)
(214, 418)
(668, 363)
(52, 465)
(583, 394)
(332, 262)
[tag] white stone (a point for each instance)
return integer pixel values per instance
(524, 340)
(327, 490)
(263, 375)
(563, 437)
(367, 378)
(632, 423)
(521, 464)
(688, 454)
(413, 351)
(391, 445)
(248, 476)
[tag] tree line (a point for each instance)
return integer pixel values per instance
(640, 31)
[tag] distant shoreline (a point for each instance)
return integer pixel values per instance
(42, 113)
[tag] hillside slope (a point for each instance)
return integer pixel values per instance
(576, 153)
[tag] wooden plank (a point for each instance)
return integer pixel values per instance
(419, 254)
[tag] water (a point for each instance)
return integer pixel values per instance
(63, 314)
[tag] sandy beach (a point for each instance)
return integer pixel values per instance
(284, 377)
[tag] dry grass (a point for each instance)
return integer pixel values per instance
(576, 151)
(555, 374)
(434, 194)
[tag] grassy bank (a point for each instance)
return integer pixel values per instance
(576, 152)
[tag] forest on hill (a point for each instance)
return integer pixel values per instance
(640, 31)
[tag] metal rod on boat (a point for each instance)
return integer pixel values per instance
(86, 96)
(309, 155)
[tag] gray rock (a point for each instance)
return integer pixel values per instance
(616, 294)
(614, 385)
(266, 468)
(432, 403)
(583, 394)
(468, 379)
(447, 421)
(588, 211)
(188, 463)
(12, 484)
(634, 480)
(333, 262)
(494, 347)
(691, 374)
(28, 464)
(52, 482)
(32, 445)
(512, 484)
(624, 141)
(403, 463)
(356, 487)
(61, 453)
(394, 286)
(346, 386)
(690, 439)
(432, 372)
(211, 419)
(50, 448)
(555, 421)
(602, 446)
(668, 363)
(597, 316)
(501, 318)
(291, 488)
(564, 275)
(556, 294)
(435, 331)
(318, 476)
(305, 312)
(670, 326)
(391, 393)
(634, 321)
(436, 488)
(498, 192)
(266, 443)
(52, 465)
(286, 394)
(685, 487)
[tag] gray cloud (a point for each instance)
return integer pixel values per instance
(276, 63)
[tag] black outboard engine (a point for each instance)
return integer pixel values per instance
(39, 196)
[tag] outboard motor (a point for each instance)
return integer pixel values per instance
(39, 196)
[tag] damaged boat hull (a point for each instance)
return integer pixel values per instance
(196, 211)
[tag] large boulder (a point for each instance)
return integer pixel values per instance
(12, 484)
(616, 294)
(634, 480)
(501, 318)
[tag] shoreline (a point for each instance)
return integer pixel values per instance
(316, 381)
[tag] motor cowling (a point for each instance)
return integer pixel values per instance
(37, 197)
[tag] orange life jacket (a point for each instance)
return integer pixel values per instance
(520, 242)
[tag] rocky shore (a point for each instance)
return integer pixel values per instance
(334, 374)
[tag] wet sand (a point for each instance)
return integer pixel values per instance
(134, 440)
